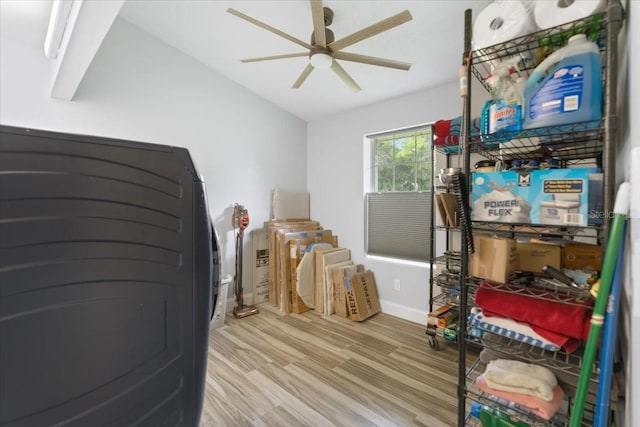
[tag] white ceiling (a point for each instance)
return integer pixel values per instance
(432, 42)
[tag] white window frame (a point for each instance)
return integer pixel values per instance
(397, 223)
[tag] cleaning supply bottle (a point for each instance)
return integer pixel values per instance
(494, 417)
(566, 87)
(503, 112)
(516, 94)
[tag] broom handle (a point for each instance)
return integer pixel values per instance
(608, 344)
(620, 210)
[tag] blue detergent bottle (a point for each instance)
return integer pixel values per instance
(566, 87)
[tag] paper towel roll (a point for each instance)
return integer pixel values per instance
(557, 12)
(501, 21)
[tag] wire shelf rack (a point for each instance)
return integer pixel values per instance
(571, 143)
(537, 230)
(447, 297)
(447, 280)
(534, 47)
(560, 419)
(559, 361)
(451, 259)
(586, 143)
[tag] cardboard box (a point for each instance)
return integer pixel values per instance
(324, 258)
(272, 228)
(330, 285)
(494, 258)
(432, 317)
(303, 275)
(284, 271)
(582, 257)
(547, 197)
(260, 252)
(289, 204)
(448, 208)
(596, 202)
(340, 292)
(531, 256)
(296, 254)
(448, 318)
(362, 296)
(576, 255)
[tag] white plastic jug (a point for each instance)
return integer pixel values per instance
(566, 87)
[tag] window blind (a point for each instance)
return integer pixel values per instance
(398, 224)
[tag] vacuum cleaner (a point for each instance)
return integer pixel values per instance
(240, 222)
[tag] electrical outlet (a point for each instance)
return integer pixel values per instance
(396, 285)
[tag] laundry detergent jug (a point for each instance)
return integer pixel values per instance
(566, 87)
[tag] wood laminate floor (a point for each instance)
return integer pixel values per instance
(273, 369)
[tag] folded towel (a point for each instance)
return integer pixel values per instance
(541, 314)
(519, 377)
(539, 407)
(510, 328)
(566, 380)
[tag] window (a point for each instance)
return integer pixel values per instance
(398, 209)
(402, 161)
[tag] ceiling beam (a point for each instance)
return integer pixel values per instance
(84, 31)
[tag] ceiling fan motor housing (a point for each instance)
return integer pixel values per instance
(328, 16)
(328, 35)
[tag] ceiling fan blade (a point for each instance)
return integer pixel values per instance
(372, 30)
(344, 76)
(305, 73)
(268, 28)
(318, 22)
(268, 58)
(372, 60)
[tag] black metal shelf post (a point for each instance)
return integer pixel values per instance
(465, 75)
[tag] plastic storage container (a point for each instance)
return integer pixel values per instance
(566, 87)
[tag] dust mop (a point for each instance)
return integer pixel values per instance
(620, 211)
(240, 220)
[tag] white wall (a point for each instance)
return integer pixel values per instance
(627, 169)
(335, 153)
(140, 89)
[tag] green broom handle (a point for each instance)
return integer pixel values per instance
(620, 210)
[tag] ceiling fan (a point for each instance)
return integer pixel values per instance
(324, 50)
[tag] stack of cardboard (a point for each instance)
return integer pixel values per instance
(338, 286)
(280, 234)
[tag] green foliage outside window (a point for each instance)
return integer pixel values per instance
(402, 161)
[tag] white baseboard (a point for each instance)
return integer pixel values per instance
(394, 309)
(402, 311)
(231, 300)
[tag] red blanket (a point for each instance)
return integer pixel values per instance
(548, 318)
